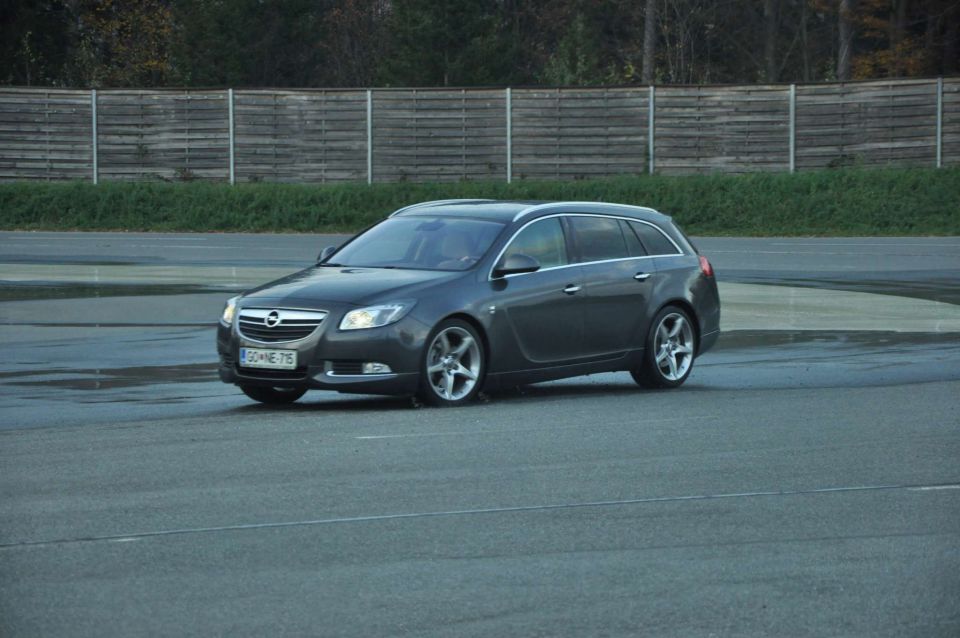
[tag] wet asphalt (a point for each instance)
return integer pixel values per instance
(803, 482)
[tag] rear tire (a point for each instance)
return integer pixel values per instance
(273, 396)
(669, 350)
(452, 365)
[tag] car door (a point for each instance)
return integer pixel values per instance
(617, 279)
(541, 311)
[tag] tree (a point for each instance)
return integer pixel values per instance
(250, 43)
(314, 43)
(354, 40)
(33, 49)
(576, 60)
(119, 43)
(447, 43)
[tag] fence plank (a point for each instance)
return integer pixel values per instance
(45, 134)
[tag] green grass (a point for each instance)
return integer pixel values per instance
(839, 202)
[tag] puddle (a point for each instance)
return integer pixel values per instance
(62, 261)
(112, 324)
(745, 339)
(929, 286)
(12, 291)
(150, 260)
(112, 378)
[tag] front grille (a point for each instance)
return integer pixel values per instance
(346, 367)
(278, 325)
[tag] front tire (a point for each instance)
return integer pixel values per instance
(669, 352)
(273, 396)
(452, 365)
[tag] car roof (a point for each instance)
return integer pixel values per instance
(511, 211)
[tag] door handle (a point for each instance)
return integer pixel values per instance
(642, 276)
(571, 289)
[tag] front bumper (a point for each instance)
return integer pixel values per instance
(329, 358)
(318, 378)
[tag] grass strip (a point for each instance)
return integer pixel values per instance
(844, 202)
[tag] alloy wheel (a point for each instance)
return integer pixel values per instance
(454, 363)
(674, 346)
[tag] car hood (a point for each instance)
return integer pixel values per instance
(347, 285)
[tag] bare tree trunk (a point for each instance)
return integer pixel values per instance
(951, 38)
(649, 41)
(804, 41)
(846, 39)
(770, 20)
(898, 24)
(898, 27)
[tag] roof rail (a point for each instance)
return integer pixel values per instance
(549, 205)
(437, 202)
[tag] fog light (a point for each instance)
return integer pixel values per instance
(373, 367)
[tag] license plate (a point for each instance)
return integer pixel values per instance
(274, 359)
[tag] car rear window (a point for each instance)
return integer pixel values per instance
(653, 239)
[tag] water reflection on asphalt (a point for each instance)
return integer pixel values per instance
(742, 360)
(111, 378)
(943, 286)
(38, 290)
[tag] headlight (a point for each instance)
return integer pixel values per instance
(229, 310)
(375, 316)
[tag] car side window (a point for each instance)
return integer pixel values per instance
(542, 240)
(653, 240)
(598, 238)
(634, 246)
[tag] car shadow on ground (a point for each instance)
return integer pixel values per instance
(319, 401)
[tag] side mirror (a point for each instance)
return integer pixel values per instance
(326, 253)
(515, 264)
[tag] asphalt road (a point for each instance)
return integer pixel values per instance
(804, 482)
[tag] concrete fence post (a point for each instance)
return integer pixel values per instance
(93, 130)
(509, 136)
(793, 128)
(232, 132)
(651, 121)
(939, 122)
(369, 136)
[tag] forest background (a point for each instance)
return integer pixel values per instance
(384, 43)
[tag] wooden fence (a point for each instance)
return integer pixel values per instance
(387, 135)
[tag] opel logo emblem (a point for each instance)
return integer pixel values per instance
(272, 320)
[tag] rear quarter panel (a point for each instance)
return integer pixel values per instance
(679, 278)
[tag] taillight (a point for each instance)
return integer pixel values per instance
(705, 266)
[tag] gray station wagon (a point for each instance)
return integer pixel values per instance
(445, 298)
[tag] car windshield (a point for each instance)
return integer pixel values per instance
(425, 243)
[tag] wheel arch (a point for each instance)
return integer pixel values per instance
(476, 325)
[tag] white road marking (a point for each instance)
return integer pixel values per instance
(186, 246)
(116, 237)
(191, 246)
(468, 512)
(928, 488)
(895, 243)
(824, 253)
